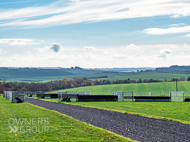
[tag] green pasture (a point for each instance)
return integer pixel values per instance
(60, 127)
(144, 75)
(160, 88)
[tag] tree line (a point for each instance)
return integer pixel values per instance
(75, 82)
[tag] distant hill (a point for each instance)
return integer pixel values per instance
(36, 75)
(45, 74)
(174, 68)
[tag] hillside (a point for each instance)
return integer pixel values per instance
(162, 88)
(174, 69)
(41, 75)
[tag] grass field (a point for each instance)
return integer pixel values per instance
(144, 75)
(161, 88)
(59, 127)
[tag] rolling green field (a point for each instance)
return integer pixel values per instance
(144, 75)
(161, 88)
(43, 75)
(58, 127)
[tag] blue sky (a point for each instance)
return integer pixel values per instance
(94, 33)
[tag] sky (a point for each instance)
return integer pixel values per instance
(94, 33)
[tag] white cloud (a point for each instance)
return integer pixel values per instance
(176, 25)
(119, 57)
(91, 11)
(42, 50)
(188, 35)
(158, 31)
(90, 48)
(186, 46)
(16, 41)
(165, 51)
(183, 11)
(131, 47)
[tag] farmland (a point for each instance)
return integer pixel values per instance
(40, 75)
(44, 75)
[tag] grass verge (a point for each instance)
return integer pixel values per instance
(172, 111)
(60, 127)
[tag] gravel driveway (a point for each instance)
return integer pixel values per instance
(135, 127)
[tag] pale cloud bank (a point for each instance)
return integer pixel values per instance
(90, 48)
(75, 11)
(165, 53)
(16, 41)
(131, 47)
(126, 56)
